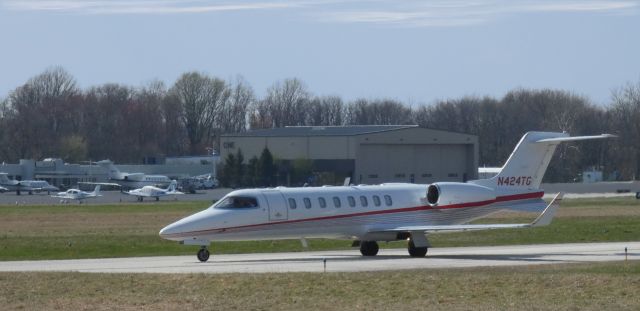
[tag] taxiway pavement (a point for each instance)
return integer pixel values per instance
(345, 261)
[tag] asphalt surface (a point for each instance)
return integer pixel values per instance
(346, 261)
(108, 197)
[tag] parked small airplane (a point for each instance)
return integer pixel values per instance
(77, 194)
(386, 212)
(25, 185)
(151, 191)
(132, 180)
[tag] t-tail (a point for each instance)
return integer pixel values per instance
(518, 180)
(112, 170)
(528, 162)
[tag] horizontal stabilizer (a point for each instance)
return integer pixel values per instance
(573, 138)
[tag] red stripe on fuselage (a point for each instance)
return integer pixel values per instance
(522, 196)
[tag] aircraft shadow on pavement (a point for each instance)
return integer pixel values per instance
(484, 257)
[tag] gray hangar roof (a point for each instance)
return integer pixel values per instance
(321, 130)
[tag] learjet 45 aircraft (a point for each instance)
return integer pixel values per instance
(132, 180)
(386, 212)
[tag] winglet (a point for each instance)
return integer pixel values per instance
(547, 215)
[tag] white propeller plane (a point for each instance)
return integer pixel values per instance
(77, 194)
(151, 191)
(386, 212)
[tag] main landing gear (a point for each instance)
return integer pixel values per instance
(203, 254)
(371, 248)
(416, 251)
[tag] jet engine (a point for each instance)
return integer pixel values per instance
(448, 193)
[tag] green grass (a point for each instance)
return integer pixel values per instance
(122, 230)
(601, 286)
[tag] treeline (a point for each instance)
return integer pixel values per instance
(50, 116)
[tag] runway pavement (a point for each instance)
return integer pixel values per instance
(345, 261)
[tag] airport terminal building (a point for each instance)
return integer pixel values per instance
(369, 154)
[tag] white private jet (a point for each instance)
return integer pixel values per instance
(25, 185)
(155, 192)
(386, 212)
(77, 194)
(132, 180)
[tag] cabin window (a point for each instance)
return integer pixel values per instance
(307, 202)
(336, 202)
(237, 202)
(387, 200)
(323, 202)
(376, 200)
(352, 201)
(292, 203)
(363, 201)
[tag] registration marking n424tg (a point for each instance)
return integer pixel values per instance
(514, 181)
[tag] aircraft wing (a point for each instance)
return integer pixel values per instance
(544, 219)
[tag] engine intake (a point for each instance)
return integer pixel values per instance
(448, 193)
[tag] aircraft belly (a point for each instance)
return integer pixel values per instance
(346, 227)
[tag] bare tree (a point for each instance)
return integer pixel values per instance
(326, 110)
(379, 112)
(232, 117)
(40, 109)
(200, 98)
(625, 122)
(286, 102)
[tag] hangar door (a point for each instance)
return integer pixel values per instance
(378, 163)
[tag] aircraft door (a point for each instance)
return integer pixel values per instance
(277, 205)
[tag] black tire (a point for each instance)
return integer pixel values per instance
(203, 255)
(416, 251)
(638, 195)
(369, 248)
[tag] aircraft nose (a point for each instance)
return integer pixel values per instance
(169, 231)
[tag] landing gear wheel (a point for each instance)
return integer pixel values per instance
(416, 251)
(203, 254)
(369, 248)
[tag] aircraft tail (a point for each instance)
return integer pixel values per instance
(112, 170)
(529, 160)
(172, 186)
(96, 191)
(4, 179)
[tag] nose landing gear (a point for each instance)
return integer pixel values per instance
(203, 254)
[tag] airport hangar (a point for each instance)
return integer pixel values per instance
(369, 154)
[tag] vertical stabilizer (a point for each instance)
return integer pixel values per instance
(529, 161)
(172, 186)
(113, 172)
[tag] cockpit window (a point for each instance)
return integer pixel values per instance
(237, 202)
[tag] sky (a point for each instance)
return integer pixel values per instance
(414, 51)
